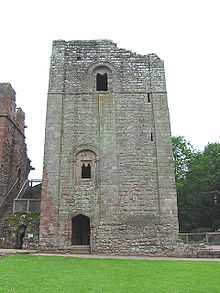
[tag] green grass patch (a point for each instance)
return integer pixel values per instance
(30, 274)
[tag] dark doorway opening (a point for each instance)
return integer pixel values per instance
(20, 236)
(80, 230)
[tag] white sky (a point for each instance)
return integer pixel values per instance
(185, 34)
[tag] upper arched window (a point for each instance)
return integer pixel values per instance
(101, 81)
(101, 78)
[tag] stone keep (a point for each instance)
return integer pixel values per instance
(108, 172)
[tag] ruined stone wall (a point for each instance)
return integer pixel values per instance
(14, 163)
(130, 198)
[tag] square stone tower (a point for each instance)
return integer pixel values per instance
(108, 178)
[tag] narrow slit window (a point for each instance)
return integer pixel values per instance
(151, 137)
(101, 82)
(86, 171)
(148, 97)
(19, 177)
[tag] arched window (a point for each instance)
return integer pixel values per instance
(101, 82)
(85, 168)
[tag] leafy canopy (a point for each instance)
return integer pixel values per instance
(198, 185)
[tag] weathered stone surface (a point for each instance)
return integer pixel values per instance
(124, 135)
(14, 163)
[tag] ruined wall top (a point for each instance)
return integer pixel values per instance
(73, 63)
(8, 106)
(102, 45)
(6, 90)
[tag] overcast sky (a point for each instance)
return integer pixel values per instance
(185, 34)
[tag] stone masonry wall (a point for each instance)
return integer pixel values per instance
(14, 163)
(130, 198)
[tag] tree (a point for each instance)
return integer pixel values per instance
(184, 154)
(202, 187)
(198, 185)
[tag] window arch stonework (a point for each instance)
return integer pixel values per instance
(106, 72)
(102, 78)
(85, 169)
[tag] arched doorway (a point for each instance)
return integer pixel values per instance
(20, 236)
(80, 230)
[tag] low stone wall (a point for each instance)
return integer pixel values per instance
(108, 245)
(177, 251)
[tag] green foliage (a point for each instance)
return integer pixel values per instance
(31, 220)
(40, 274)
(198, 186)
(184, 154)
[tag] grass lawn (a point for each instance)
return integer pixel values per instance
(30, 274)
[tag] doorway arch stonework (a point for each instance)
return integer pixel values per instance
(80, 230)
